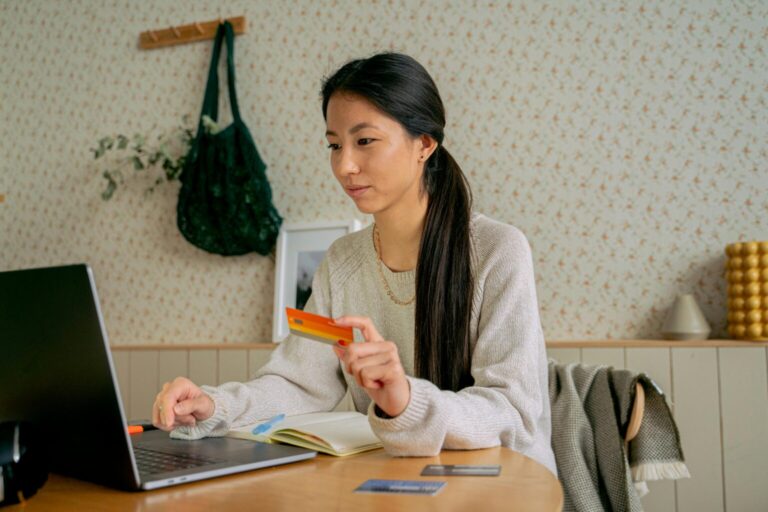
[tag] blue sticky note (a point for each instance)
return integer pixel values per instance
(416, 487)
(267, 425)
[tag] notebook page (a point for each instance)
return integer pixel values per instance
(342, 434)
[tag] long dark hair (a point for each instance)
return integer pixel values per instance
(401, 87)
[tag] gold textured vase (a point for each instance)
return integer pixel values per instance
(746, 271)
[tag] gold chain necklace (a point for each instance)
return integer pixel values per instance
(380, 267)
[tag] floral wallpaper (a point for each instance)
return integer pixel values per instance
(627, 139)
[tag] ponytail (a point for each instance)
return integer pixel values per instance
(444, 280)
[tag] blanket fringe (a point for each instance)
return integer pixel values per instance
(672, 470)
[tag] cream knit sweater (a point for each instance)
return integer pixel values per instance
(508, 404)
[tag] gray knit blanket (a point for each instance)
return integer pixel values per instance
(591, 406)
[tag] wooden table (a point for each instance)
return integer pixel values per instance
(327, 483)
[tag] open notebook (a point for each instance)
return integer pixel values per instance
(334, 433)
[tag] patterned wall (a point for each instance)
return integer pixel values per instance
(628, 140)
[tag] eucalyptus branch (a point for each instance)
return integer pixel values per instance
(166, 156)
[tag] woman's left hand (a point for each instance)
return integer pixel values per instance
(376, 366)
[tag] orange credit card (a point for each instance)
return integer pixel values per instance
(318, 328)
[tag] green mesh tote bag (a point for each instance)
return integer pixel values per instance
(225, 201)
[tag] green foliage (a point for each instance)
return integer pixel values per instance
(165, 157)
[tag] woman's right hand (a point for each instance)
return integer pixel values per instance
(181, 402)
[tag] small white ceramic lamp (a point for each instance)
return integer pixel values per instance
(685, 321)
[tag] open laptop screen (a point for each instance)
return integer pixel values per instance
(55, 371)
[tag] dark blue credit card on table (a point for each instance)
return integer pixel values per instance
(417, 487)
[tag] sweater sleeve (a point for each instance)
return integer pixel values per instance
(507, 403)
(301, 376)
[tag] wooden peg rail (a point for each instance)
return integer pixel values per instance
(190, 33)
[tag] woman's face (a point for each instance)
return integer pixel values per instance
(375, 160)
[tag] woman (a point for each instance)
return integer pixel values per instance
(446, 301)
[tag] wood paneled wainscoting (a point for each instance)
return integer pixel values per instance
(718, 391)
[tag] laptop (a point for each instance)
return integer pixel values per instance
(56, 371)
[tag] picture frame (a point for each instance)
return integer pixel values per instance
(300, 249)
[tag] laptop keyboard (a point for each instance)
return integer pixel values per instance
(152, 461)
